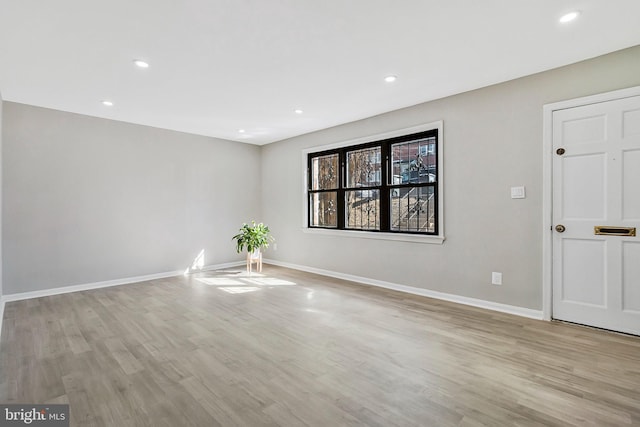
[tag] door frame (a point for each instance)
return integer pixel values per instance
(547, 183)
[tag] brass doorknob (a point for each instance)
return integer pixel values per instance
(560, 228)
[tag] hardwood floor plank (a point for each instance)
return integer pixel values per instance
(75, 339)
(286, 348)
(126, 360)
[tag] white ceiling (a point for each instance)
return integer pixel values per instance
(218, 66)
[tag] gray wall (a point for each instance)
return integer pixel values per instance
(88, 199)
(1, 105)
(492, 141)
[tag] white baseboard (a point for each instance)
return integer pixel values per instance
(108, 283)
(490, 305)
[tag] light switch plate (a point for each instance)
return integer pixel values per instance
(517, 192)
(496, 278)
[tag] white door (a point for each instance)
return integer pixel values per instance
(596, 183)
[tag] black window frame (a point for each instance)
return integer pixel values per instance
(385, 187)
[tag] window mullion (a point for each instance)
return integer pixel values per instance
(341, 193)
(385, 208)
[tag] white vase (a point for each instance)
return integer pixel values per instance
(255, 254)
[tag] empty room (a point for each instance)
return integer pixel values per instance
(333, 213)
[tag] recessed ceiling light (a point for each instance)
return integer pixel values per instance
(298, 111)
(390, 79)
(107, 103)
(569, 17)
(140, 63)
(241, 130)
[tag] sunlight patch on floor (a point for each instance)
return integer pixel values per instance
(220, 281)
(240, 282)
(270, 281)
(239, 289)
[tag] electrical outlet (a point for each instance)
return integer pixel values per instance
(275, 246)
(496, 278)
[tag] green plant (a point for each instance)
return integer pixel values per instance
(254, 236)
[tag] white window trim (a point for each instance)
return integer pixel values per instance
(415, 238)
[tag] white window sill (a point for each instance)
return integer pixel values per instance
(414, 238)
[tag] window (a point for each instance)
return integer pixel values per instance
(389, 185)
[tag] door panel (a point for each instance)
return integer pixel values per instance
(630, 275)
(584, 284)
(631, 123)
(584, 180)
(630, 185)
(596, 182)
(582, 130)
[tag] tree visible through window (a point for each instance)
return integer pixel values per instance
(389, 185)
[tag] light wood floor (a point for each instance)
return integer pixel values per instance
(287, 348)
